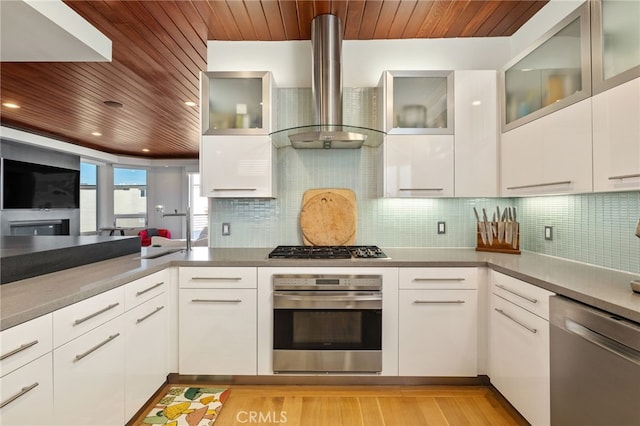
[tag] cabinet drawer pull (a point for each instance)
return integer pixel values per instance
(233, 189)
(96, 347)
(18, 350)
(23, 391)
(500, 311)
(515, 293)
(439, 279)
(95, 314)
(216, 278)
(634, 175)
(425, 302)
(535, 185)
(158, 309)
(420, 189)
(216, 300)
(141, 292)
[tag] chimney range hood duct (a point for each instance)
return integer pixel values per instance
(328, 130)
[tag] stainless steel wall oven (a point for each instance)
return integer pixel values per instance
(327, 323)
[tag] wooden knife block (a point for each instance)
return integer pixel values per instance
(498, 247)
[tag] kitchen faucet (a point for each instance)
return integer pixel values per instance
(186, 214)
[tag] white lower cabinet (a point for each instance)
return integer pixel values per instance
(26, 394)
(438, 333)
(218, 331)
(519, 358)
(88, 382)
(146, 361)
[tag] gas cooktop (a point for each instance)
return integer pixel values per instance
(327, 252)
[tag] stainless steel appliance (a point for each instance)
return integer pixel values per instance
(327, 323)
(595, 366)
(327, 252)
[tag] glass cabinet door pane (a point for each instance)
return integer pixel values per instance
(620, 36)
(235, 103)
(420, 102)
(550, 73)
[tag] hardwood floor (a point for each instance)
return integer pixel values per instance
(293, 405)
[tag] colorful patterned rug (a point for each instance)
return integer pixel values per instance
(187, 406)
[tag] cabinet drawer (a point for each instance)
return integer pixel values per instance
(24, 343)
(143, 289)
(26, 395)
(532, 298)
(218, 277)
(438, 278)
(77, 319)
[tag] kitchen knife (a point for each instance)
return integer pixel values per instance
(480, 227)
(515, 230)
(507, 228)
(488, 226)
(501, 220)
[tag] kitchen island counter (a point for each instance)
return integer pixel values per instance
(606, 289)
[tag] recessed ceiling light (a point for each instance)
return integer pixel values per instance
(145, 149)
(113, 104)
(96, 133)
(10, 105)
(476, 103)
(190, 103)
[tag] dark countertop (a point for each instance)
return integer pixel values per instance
(606, 289)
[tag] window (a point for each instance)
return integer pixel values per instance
(88, 198)
(199, 206)
(130, 197)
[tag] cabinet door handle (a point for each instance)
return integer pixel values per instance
(425, 302)
(439, 279)
(535, 185)
(216, 278)
(233, 189)
(141, 292)
(500, 311)
(420, 189)
(216, 300)
(515, 293)
(621, 177)
(95, 314)
(96, 347)
(22, 391)
(158, 309)
(18, 350)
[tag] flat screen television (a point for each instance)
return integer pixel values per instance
(36, 186)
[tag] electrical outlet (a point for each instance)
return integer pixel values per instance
(548, 233)
(226, 228)
(442, 227)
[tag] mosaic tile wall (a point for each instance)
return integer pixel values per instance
(591, 228)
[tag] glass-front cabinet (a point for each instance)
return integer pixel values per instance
(551, 74)
(615, 28)
(236, 103)
(417, 102)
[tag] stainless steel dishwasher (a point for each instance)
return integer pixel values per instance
(595, 366)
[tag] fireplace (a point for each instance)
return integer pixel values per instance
(40, 227)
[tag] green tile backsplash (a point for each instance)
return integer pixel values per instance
(591, 228)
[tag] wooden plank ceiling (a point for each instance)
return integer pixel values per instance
(159, 48)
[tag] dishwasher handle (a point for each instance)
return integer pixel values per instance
(603, 342)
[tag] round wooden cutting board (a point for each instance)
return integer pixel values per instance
(329, 217)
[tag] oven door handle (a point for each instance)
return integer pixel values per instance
(323, 297)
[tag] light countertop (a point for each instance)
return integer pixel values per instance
(606, 289)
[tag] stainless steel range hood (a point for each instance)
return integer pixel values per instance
(328, 130)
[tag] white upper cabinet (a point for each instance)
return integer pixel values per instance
(616, 138)
(549, 155)
(417, 102)
(237, 167)
(476, 134)
(418, 166)
(236, 103)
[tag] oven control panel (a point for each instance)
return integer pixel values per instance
(329, 282)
